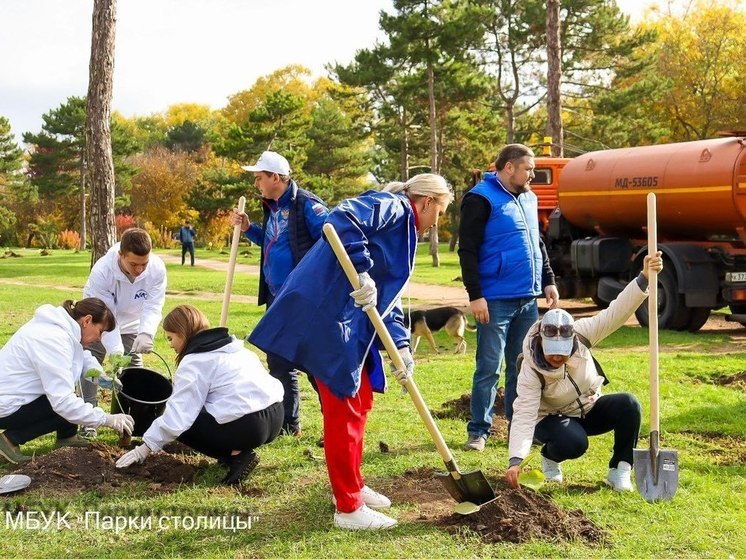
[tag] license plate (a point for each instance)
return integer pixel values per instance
(736, 277)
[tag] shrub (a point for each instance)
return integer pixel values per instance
(68, 239)
(161, 237)
(123, 222)
(216, 233)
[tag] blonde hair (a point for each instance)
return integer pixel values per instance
(424, 185)
(186, 321)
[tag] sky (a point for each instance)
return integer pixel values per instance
(176, 51)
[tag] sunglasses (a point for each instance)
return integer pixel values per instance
(552, 331)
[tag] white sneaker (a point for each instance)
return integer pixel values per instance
(363, 519)
(619, 477)
(551, 469)
(372, 499)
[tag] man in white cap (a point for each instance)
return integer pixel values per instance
(559, 399)
(292, 223)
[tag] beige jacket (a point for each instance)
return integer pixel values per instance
(572, 389)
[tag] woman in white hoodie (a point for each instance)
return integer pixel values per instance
(39, 367)
(224, 402)
(559, 390)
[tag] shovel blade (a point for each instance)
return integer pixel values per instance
(472, 487)
(657, 482)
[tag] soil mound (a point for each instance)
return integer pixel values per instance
(515, 516)
(737, 380)
(71, 470)
(460, 408)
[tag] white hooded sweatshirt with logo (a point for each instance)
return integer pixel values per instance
(45, 357)
(137, 305)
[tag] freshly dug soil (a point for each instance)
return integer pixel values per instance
(516, 515)
(460, 408)
(736, 380)
(71, 470)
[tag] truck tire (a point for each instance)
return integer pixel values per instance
(673, 314)
(698, 318)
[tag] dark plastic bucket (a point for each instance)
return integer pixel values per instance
(143, 396)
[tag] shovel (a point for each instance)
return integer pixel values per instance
(231, 266)
(471, 487)
(656, 469)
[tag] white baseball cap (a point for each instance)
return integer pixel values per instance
(272, 162)
(557, 333)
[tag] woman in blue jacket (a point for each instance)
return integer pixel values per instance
(320, 327)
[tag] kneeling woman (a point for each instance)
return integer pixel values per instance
(224, 402)
(39, 367)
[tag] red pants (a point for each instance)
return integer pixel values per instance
(344, 429)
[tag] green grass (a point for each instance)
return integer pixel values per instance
(289, 493)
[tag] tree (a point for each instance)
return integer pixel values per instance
(11, 181)
(97, 128)
(554, 77)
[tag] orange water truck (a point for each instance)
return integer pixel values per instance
(593, 213)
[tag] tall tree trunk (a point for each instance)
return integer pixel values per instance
(434, 167)
(404, 164)
(554, 73)
(97, 127)
(509, 123)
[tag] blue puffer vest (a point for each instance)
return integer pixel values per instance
(510, 258)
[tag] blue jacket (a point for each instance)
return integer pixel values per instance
(510, 261)
(313, 322)
(186, 234)
(289, 229)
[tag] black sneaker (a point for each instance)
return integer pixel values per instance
(241, 466)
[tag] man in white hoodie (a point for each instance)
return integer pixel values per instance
(132, 282)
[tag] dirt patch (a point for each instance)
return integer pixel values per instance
(71, 470)
(516, 516)
(722, 450)
(737, 380)
(460, 408)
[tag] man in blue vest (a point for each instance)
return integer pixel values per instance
(504, 266)
(293, 218)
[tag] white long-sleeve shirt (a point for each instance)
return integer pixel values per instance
(45, 357)
(137, 305)
(228, 382)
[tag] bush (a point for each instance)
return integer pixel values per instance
(123, 222)
(68, 239)
(159, 236)
(216, 233)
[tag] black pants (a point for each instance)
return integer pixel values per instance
(565, 437)
(35, 419)
(245, 433)
(187, 247)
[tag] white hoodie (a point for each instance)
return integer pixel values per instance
(228, 382)
(45, 357)
(137, 305)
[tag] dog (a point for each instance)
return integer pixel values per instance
(424, 323)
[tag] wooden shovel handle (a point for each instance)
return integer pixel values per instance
(231, 265)
(653, 314)
(388, 342)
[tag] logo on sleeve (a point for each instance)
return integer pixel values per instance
(141, 294)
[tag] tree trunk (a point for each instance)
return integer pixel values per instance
(554, 73)
(97, 127)
(83, 223)
(404, 171)
(434, 167)
(509, 123)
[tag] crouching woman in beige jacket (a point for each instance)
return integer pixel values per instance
(559, 399)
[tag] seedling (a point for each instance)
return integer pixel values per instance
(533, 478)
(116, 362)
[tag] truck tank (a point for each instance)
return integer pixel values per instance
(700, 186)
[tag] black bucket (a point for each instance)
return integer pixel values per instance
(143, 395)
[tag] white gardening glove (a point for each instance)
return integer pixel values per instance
(137, 454)
(120, 422)
(143, 343)
(403, 376)
(367, 295)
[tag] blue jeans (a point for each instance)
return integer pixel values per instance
(510, 321)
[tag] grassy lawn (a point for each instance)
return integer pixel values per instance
(289, 494)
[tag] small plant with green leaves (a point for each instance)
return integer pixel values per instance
(116, 362)
(533, 478)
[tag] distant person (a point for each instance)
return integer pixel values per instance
(559, 399)
(39, 368)
(224, 404)
(292, 223)
(505, 267)
(186, 236)
(316, 323)
(132, 282)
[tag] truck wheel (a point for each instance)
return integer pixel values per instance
(737, 308)
(698, 318)
(673, 314)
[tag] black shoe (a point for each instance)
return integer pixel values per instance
(241, 466)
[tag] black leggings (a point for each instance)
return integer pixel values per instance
(245, 433)
(566, 437)
(35, 419)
